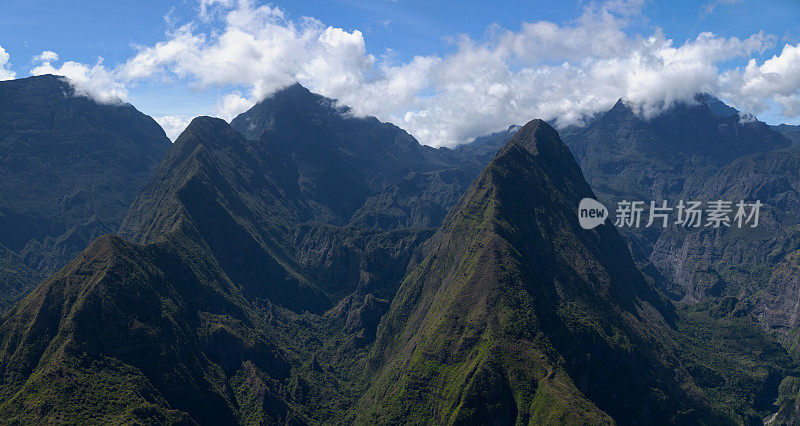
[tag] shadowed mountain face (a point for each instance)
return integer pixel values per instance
(237, 199)
(307, 194)
(171, 330)
(790, 132)
(69, 169)
(246, 205)
(624, 154)
(356, 168)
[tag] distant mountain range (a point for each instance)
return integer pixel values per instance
(302, 265)
(705, 151)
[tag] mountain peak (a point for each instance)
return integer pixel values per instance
(295, 88)
(621, 104)
(506, 280)
(38, 88)
(205, 122)
(542, 141)
(716, 106)
(206, 130)
(538, 138)
(291, 103)
(43, 78)
(293, 92)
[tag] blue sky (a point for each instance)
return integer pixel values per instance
(459, 38)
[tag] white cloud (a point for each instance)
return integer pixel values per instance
(208, 7)
(94, 81)
(544, 70)
(258, 48)
(46, 56)
(778, 78)
(173, 125)
(232, 105)
(5, 67)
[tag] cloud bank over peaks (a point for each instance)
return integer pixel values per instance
(545, 70)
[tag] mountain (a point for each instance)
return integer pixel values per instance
(483, 149)
(170, 330)
(238, 293)
(789, 131)
(424, 198)
(624, 154)
(70, 168)
(227, 261)
(151, 332)
(703, 151)
(128, 334)
(309, 193)
(355, 168)
(516, 314)
(247, 207)
(698, 151)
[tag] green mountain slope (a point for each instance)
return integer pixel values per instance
(130, 333)
(168, 327)
(518, 313)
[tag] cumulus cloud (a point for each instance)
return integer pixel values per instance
(95, 81)
(207, 8)
(778, 79)
(546, 70)
(46, 56)
(5, 66)
(258, 48)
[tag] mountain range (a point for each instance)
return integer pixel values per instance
(704, 151)
(304, 265)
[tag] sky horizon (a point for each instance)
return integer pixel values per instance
(445, 72)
